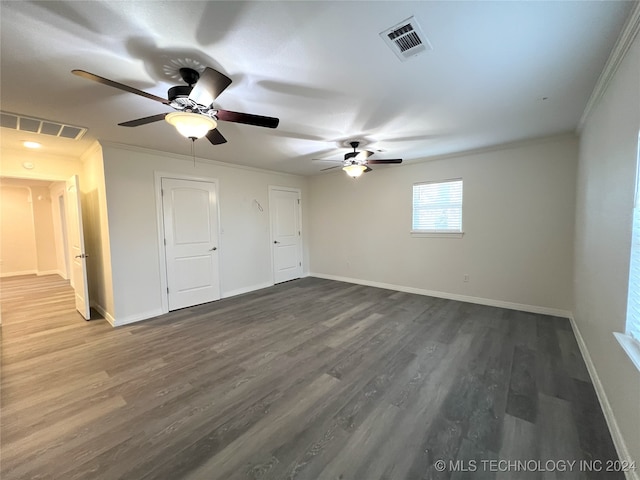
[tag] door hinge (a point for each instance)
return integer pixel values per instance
(167, 289)
(165, 242)
(300, 263)
(162, 192)
(298, 232)
(298, 201)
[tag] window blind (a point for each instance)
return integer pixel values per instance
(633, 302)
(437, 206)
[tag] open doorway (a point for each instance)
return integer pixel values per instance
(32, 228)
(35, 240)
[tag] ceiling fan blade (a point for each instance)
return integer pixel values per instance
(120, 86)
(367, 169)
(390, 160)
(247, 118)
(143, 121)
(215, 137)
(326, 160)
(211, 84)
(329, 168)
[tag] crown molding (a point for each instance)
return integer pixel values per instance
(178, 156)
(95, 147)
(625, 39)
(498, 147)
(560, 137)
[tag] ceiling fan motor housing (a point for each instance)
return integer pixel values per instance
(178, 92)
(179, 98)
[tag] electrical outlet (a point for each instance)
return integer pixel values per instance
(466, 277)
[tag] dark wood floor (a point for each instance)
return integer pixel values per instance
(312, 379)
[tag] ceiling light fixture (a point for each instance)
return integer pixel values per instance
(354, 170)
(191, 125)
(30, 144)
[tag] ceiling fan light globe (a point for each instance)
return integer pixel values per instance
(354, 170)
(191, 125)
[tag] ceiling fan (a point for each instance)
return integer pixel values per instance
(356, 163)
(194, 115)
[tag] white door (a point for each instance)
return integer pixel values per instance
(76, 246)
(286, 234)
(190, 213)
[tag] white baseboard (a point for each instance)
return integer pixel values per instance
(107, 316)
(137, 317)
(42, 273)
(157, 312)
(452, 296)
(240, 291)
(118, 322)
(18, 274)
(616, 434)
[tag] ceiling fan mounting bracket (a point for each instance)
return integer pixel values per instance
(189, 75)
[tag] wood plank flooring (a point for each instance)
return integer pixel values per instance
(311, 379)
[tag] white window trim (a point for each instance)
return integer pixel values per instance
(628, 343)
(435, 234)
(438, 233)
(630, 346)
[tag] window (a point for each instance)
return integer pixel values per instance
(437, 207)
(631, 340)
(633, 302)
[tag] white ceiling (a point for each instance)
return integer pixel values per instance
(321, 67)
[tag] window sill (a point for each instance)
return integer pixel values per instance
(630, 346)
(421, 234)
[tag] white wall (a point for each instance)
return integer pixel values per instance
(17, 234)
(44, 234)
(45, 167)
(96, 232)
(56, 192)
(28, 236)
(245, 258)
(518, 221)
(605, 194)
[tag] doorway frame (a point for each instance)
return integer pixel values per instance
(53, 177)
(162, 253)
(301, 252)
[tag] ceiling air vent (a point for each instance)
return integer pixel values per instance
(406, 39)
(39, 126)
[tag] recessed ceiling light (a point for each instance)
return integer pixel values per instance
(31, 144)
(28, 165)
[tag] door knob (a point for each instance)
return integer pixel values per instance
(83, 255)
(276, 241)
(212, 249)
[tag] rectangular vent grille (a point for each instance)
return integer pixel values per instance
(406, 39)
(41, 127)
